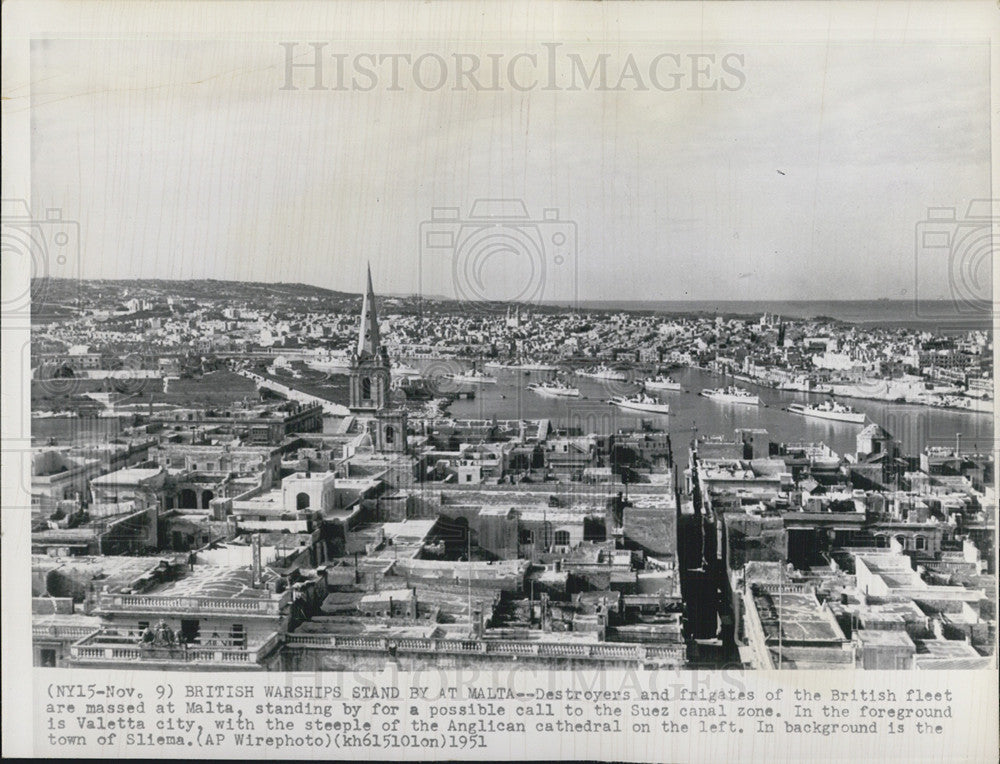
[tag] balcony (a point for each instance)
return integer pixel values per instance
(151, 603)
(60, 632)
(667, 655)
(102, 648)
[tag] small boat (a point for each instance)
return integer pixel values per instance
(604, 372)
(538, 367)
(641, 402)
(496, 366)
(829, 410)
(662, 383)
(472, 378)
(731, 395)
(554, 390)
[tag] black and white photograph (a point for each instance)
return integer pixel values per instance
(424, 380)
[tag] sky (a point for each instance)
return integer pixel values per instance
(806, 173)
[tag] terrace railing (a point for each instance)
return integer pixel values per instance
(104, 648)
(599, 651)
(151, 603)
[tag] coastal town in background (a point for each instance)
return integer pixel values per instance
(246, 476)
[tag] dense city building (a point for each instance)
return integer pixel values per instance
(349, 486)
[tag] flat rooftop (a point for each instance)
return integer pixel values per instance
(57, 620)
(270, 499)
(215, 581)
(107, 568)
(385, 595)
(558, 514)
(126, 476)
(796, 617)
(660, 501)
(897, 566)
(945, 648)
(358, 483)
(413, 530)
(883, 638)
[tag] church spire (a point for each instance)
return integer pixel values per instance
(369, 341)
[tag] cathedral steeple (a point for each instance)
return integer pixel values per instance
(370, 375)
(370, 382)
(369, 341)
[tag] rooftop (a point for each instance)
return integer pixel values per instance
(794, 616)
(215, 581)
(883, 638)
(409, 530)
(387, 595)
(945, 648)
(130, 475)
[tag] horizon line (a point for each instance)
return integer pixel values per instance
(546, 303)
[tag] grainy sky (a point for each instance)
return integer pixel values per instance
(801, 176)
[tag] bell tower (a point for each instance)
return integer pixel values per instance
(369, 378)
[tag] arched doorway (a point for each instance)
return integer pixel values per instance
(206, 498)
(187, 499)
(302, 501)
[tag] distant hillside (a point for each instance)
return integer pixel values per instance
(202, 289)
(54, 298)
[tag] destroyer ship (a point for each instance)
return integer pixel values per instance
(731, 395)
(829, 410)
(604, 372)
(554, 390)
(641, 402)
(662, 383)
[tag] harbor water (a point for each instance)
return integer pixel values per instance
(915, 427)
